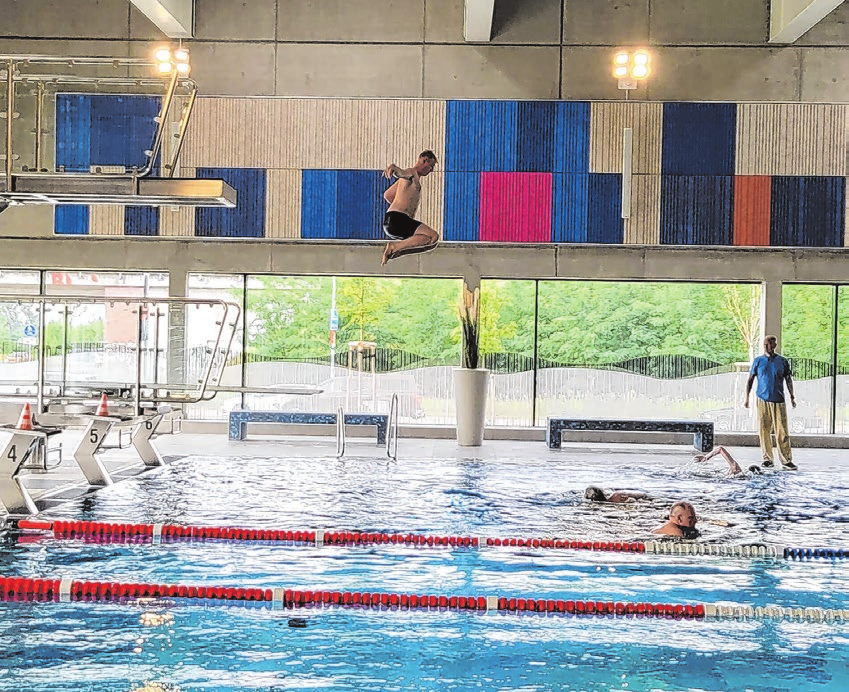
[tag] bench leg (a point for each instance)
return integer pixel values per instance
(553, 436)
(381, 433)
(703, 440)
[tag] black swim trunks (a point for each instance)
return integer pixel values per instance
(396, 224)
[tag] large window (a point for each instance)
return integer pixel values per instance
(619, 350)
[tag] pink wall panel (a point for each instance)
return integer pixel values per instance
(516, 207)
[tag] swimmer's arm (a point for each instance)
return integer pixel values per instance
(627, 496)
(393, 171)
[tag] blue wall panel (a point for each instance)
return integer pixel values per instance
(696, 210)
(104, 129)
(70, 219)
(247, 218)
(604, 211)
(461, 206)
(699, 138)
(360, 205)
(318, 204)
(807, 211)
(481, 135)
(141, 221)
(553, 137)
(569, 214)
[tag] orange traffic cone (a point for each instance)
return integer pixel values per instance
(103, 407)
(25, 421)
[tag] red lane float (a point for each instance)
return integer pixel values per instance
(102, 532)
(43, 590)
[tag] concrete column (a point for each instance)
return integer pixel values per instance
(770, 311)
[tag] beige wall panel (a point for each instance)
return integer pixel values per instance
(430, 211)
(283, 204)
(483, 71)
(313, 133)
(339, 69)
(177, 222)
(106, 219)
(791, 139)
(608, 120)
(644, 226)
(846, 225)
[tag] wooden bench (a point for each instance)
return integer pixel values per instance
(702, 430)
(239, 421)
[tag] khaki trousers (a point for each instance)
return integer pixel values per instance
(772, 417)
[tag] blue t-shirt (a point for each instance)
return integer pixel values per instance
(771, 373)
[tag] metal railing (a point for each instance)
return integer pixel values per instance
(131, 378)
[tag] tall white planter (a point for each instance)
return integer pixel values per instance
(470, 388)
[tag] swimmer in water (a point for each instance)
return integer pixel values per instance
(682, 522)
(733, 467)
(596, 494)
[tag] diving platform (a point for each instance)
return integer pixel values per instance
(85, 188)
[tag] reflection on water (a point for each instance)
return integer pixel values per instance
(157, 646)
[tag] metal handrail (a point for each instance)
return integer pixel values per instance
(392, 430)
(227, 326)
(340, 433)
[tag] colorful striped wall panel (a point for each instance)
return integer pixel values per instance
(510, 171)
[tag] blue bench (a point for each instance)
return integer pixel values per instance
(239, 421)
(702, 430)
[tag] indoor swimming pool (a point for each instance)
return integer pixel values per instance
(157, 644)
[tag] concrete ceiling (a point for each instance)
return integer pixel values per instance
(789, 19)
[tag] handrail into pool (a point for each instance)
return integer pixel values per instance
(67, 591)
(114, 532)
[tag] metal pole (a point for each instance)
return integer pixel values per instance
(42, 348)
(64, 349)
(160, 129)
(170, 167)
(834, 361)
(39, 113)
(137, 394)
(244, 373)
(10, 113)
(536, 353)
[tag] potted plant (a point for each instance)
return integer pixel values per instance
(470, 381)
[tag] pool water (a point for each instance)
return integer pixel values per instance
(157, 646)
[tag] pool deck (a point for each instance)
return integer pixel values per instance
(66, 482)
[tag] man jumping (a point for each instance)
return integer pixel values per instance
(404, 196)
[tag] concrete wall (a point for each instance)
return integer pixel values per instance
(705, 49)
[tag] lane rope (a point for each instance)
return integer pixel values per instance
(20, 589)
(162, 533)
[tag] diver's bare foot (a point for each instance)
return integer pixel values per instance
(388, 254)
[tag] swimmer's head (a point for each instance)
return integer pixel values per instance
(426, 163)
(683, 515)
(595, 494)
(755, 470)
